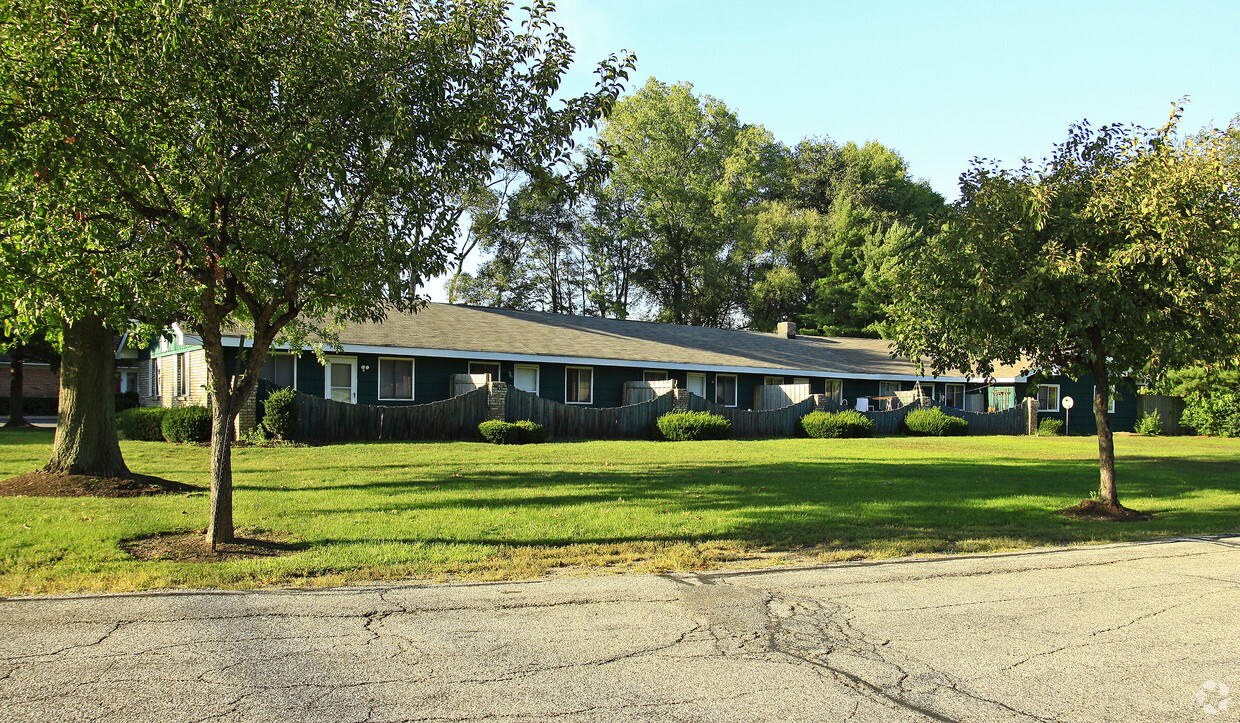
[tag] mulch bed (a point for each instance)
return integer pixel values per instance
(45, 484)
(1096, 510)
(193, 547)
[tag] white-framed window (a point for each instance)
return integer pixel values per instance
(695, 382)
(579, 385)
(654, 375)
(888, 389)
(800, 380)
(1110, 398)
(126, 381)
(153, 380)
(725, 389)
(1048, 397)
(280, 370)
(182, 377)
(953, 396)
(772, 381)
(489, 368)
(525, 377)
(395, 379)
(834, 389)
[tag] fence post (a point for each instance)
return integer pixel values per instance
(820, 402)
(1031, 416)
(247, 416)
(497, 401)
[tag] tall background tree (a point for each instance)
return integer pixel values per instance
(1121, 253)
(308, 161)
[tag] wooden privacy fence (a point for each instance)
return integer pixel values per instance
(747, 424)
(1169, 410)
(637, 392)
(324, 420)
(1016, 420)
(779, 396)
(568, 421)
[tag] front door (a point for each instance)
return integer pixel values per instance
(696, 383)
(342, 379)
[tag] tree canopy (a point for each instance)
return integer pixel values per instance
(1118, 255)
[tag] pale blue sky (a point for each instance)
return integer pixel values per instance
(939, 82)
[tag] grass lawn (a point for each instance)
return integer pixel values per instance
(447, 510)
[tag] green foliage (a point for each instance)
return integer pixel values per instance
(530, 433)
(845, 424)
(1214, 415)
(189, 424)
(280, 413)
(126, 400)
(934, 422)
(693, 426)
(142, 423)
(499, 432)
(1149, 424)
(1050, 427)
(33, 406)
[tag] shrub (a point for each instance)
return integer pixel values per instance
(1149, 424)
(497, 432)
(142, 423)
(280, 414)
(126, 400)
(187, 424)
(530, 433)
(693, 426)
(934, 422)
(1216, 414)
(837, 425)
(1050, 427)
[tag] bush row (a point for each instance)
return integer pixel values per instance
(156, 424)
(523, 432)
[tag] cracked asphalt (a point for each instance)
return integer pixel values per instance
(1118, 632)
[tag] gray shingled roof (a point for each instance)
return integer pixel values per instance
(529, 333)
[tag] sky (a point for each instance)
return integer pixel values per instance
(939, 82)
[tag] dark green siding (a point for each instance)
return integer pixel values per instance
(1081, 418)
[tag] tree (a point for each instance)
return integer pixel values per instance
(36, 347)
(1120, 253)
(308, 160)
(690, 170)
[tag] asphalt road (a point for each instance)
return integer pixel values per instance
(1146, 632)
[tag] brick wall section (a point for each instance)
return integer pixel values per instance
(37, 381)
(680, 403)
(820, 402)
(497, 401)
(247, 418)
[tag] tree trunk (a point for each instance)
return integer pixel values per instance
(86, 441)
(16, 357)
(1106, 439)
(220, 518)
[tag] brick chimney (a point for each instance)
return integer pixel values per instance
(787, 329)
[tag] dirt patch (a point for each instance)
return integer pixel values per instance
(1096, 510)
(46, 484)
(193, 547)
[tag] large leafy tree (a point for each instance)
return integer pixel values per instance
(1119, 253)
(300, 164)
(690, 171)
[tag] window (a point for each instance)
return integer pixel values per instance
(834, 389)
(888, 389)
(156, 389)
(696, 383)
(182, 381)
(654, 376)
(280, 370)
(800, 380)
(725, 389)
(953, 396)
(1048, 397)
(491, 369)
(1110, 398)
(526, 378)
(1002, 398)
(773, 381)
(579, 385)
(395, 378)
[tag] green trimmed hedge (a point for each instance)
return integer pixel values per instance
(837, 425)
(1050, 427)
(523, 432)
(280, 414)
(144, 424)
(693, 426)
(934, 422)
(187, 424)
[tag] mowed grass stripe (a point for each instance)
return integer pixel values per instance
(444, 510)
